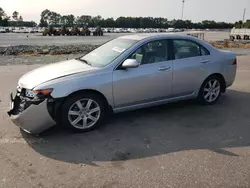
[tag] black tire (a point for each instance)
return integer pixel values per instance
(202, 93)
(80, 96)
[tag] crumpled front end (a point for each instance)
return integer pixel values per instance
(30, 113)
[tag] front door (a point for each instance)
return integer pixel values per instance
(151, 81)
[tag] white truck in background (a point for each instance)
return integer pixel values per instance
(240, 34)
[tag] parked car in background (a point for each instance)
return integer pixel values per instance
(87, 30)
(2, 30)
(127, 73)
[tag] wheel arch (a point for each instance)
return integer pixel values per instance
(221, 77)
(92, 91)
(55, 111)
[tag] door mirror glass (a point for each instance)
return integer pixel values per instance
(130, 63)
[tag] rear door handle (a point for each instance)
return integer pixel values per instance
(204, 61)
(163, 68)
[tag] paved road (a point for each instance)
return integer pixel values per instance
(177, 145)
(38, 39)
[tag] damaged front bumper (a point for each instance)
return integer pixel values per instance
(29, 114)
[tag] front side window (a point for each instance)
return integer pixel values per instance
(108, 52)
(186, 48)
(152, 52)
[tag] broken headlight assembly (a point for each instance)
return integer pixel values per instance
(25, 97)
(38, 94)
(34, 97)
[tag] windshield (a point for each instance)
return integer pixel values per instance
(108, 52)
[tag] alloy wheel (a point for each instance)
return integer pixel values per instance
(84, 113)
(212, 90)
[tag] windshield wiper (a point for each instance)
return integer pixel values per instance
(85, 61)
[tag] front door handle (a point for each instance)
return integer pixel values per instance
(204, 61)
(163, 68)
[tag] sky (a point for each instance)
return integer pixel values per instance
(195, 10)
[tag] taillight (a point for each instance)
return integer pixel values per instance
(235, 62)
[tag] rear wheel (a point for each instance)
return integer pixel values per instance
(83, 112)
(210, 90)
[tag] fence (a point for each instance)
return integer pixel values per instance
(198, 35)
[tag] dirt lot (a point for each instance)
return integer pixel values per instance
(176, 145)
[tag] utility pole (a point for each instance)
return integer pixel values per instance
(182, 13)
(243, 19)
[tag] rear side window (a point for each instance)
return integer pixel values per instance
(187, 48)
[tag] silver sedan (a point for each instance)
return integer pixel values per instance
(127, 73)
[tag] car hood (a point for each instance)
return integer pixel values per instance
(53, 71)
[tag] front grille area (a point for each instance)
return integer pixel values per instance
(20, 101)
(20, 91)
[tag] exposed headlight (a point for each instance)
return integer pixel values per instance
(30, 93)
(38, 93)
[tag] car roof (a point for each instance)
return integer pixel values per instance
(142, 36)
(156, 36)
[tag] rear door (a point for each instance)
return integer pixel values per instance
(189, 66)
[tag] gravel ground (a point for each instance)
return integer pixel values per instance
(172, 146)
(52, 50)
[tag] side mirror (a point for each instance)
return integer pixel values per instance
(130, 63)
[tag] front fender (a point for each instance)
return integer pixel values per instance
(63, 87)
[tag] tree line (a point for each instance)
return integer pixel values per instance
(52, 18)
(16, 20)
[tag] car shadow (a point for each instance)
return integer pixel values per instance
(154, 131)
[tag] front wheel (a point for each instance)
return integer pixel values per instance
(210, 90)
(83, 112)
